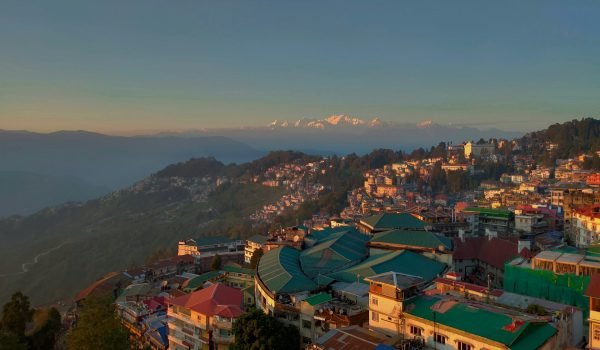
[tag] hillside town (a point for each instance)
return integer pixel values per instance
(511, 264)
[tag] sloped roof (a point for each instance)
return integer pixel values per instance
(401, 261)
(217, 299)
(593, 289)
(235, 269)
(485, 323)
(411, 238)
(393, 221)
(336, 251)
(398, 280)
(492, 251)
(325, 233)
(279, 269)
(197, 282)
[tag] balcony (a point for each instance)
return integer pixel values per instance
(181, 317)
(223, 324)
(219, 339)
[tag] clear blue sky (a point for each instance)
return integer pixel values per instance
(133, 65)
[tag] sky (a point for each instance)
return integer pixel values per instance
(113, 66)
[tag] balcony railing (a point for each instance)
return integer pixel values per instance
(223, 324)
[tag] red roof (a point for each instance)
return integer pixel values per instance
(217, 299)
(155, 303)
(591, 211)
(492, 251)
(102, 285)
(593, 289)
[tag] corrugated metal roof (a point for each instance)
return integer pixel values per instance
(280, 271)
(319, 299)
(401, 261)
(394, 221)
(423, 239)
(485, 323)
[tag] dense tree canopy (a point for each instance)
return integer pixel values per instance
(258, 253)
(98, 327)
(256, 331)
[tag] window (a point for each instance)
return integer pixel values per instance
(464, 346)
(374, 301)
(306, 340)
(416, 331)
(374, 316)
(306, 324)
(439, 338)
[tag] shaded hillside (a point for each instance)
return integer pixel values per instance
(25, 193)
(76, 243)
(571, 138)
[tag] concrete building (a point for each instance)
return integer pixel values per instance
(209, 246)
(253, 243)
(585, 225)
(477, 150)
(593, 293)
(204, 319)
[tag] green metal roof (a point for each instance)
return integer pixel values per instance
(413, 238)
(197, 282)
(394, 221)
(280, 271)
(336, 251)
(401, 261)
(497, 213)
(319, 299)
(484, 323)
(235, 269)
(320, 235)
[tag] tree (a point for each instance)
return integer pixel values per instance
(47, 327)
(216, 262)
(255, 330)
(98, 327)
(9, 341)
(258, 253)
(16, 314)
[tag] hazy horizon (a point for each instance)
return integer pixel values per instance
(149, 65)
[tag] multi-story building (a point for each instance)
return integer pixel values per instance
(477, 150)
(585, 225)
(398, 309)
(485, 220)
(593, 293)
(253, 243)
(204, 319)
(209, 246)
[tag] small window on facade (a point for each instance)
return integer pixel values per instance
(375, 316)
(374, 301)
(417, 331)
(440, 338)
(463, 346)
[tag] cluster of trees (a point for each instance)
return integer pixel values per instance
(255, 330)
(97, 327)
(572, 138)
(25, 328)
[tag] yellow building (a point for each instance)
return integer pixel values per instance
(593, 292)
(204, 317)
(442, 322)
(586, 225)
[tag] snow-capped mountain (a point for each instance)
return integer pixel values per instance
(333, 121)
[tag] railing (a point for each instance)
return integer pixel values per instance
(223, 324)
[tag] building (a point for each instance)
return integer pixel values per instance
(481, 260)
(288, 282)
(485, 220)
(209, 246)
(353, 337)
(477, 150)
(585, 225)
(204, 319)
(593, 293)
(430, 244)
(253, 243)
(388, 293)
(454, 323)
